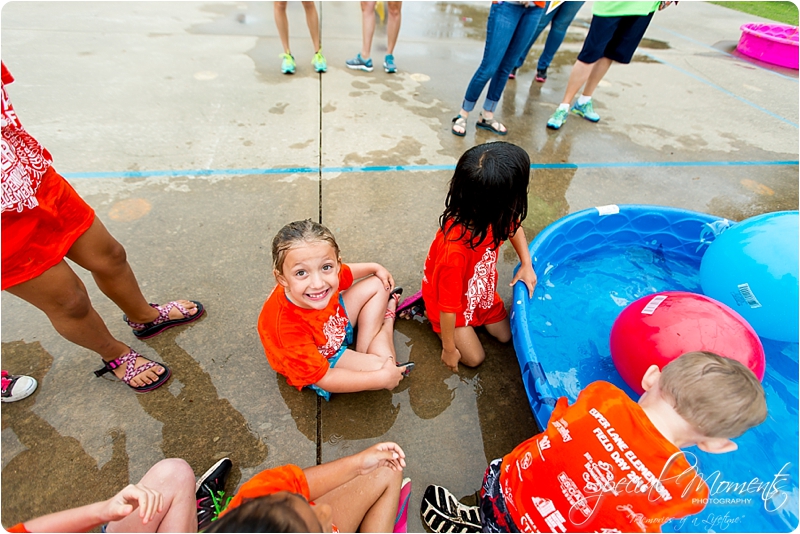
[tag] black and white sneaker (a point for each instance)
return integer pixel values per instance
(442, 512)
(210, 493)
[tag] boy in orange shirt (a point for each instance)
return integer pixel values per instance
(607, 463)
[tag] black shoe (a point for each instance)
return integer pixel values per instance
(442, 512)
(210, 493)
(512, 74)
(541, 75)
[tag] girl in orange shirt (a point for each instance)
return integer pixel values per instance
(486, 204)
(307, 322)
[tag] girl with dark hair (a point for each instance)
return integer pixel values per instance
(486, 204)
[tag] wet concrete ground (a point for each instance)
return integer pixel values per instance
(173, 121)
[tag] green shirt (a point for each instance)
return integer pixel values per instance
(623, 9)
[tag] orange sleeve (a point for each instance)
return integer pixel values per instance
(285, 478)
(451, 283)
(18, 528)
(345, 277)
(289, 345)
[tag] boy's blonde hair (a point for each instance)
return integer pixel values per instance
(719, 397)
(295, 233)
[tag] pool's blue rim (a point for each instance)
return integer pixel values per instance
(523, 343)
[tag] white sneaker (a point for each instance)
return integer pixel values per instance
(17, 387)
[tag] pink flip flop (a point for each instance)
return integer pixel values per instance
(401, 521)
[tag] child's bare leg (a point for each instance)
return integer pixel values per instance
(468, 344)
(359, 361)
(500, 330)
(366, 302)
(174, 479)
(369, 501)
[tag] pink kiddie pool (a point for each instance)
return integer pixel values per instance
(773, 43)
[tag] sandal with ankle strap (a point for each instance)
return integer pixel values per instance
(459, 121)
(411, 307)
(163, 322)
(131, 371)
(395, 294)
(493, 125)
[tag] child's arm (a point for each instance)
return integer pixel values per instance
(85, 518)
(361, 270)
(339, 380)
(525, 272)
(450, 354)
(329, 476)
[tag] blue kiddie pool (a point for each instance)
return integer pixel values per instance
(592, 264)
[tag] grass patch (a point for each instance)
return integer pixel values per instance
(785, 12)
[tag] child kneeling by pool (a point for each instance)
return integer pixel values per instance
(305, 324)
(606, 462)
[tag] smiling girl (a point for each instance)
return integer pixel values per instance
(307, 322)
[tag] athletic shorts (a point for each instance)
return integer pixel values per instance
(493, 511)
(614, 37)
(36, 239)
(348, 340)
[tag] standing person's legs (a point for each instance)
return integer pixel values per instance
(367, 28)
(369, 501)
(312, 19)
(543, 22)
(562, 17)
(526, 25)
(499, 29)
(174, 479)
(61, 295)
(282, 22)
(599, 69)
(393, 25)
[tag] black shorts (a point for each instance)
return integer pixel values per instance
(493, 511)
(614, 37)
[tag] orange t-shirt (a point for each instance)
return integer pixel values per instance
(285, 478)
(299, 341)
(20, 527)
(600, 464)
(461, 280)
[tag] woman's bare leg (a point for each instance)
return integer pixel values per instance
(312, 19)
(98, 252)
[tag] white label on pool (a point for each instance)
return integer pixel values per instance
(748, 295)
(611, 209)
(653, 304)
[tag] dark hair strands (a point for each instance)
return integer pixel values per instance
(488, 192)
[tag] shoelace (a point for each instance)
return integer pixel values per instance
(216, 500)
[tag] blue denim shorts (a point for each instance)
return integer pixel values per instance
(348, 340)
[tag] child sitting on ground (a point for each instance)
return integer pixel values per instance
(307, 322)
(486, 204)
(608, 463)
(358, 493)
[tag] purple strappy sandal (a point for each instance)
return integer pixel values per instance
(129, 360)
(163, 322)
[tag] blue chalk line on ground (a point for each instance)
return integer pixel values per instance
(410, 168)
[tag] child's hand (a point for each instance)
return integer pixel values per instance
(393, 373)
(384, 276)
(528, 277)
(451, 358)
(132, 496)
(386, 454)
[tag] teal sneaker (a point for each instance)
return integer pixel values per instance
(558, 119)
(586, 111)
(288, 64)
(358, 63)
(388, 64)
(319, 63)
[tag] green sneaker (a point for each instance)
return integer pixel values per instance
(320, 65)
(287, 65)
(558, 119)
(586, 111)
